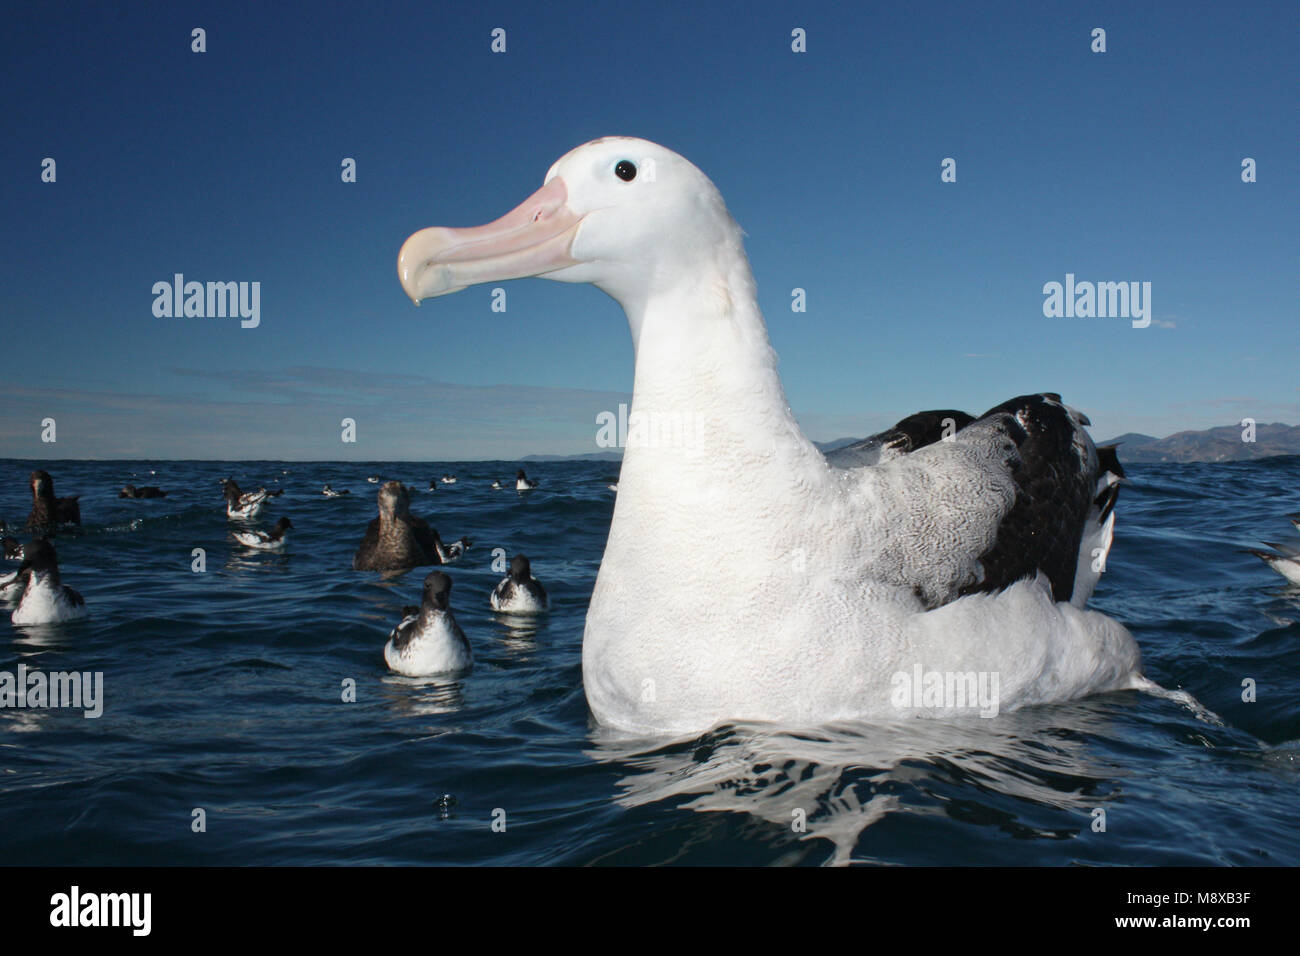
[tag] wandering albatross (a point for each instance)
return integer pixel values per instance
(748, 576)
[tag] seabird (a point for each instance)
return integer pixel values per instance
(373, 479)
(45, 599)
(12, 586)
(523, 482)
(47, 510)
(245, 505)
(748, 576)
(496, 486)
(13, 548)
(429, 641)
(448, 479)
(397, 539)
(148, 491)
(519, 592)
(273, 540)
(329, 492)
(1284, 559)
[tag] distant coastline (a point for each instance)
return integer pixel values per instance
(1221, 443)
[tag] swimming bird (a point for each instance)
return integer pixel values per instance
(13, 584)
(748, 576)
(1284, 559)
(433, 484)
(519, 592)
(148, 491)
(273, 540)
(13, 548)
(245, 505)
(397, 539)
(496, 486)
(448, 479)
(373, 479)
(329, 492)
(45, 599)
(523, 482)
(47, 510)
(429, 641)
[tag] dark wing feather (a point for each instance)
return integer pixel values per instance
(363, 560)
(1055, 468)
(1056, 471)
(427, 538)
(913, 432)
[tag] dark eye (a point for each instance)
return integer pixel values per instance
(625, 171)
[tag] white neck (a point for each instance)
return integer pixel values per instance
(707, 395)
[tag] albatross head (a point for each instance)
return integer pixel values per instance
(624, 214)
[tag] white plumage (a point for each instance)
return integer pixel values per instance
(273, 540)
(45, 599)
(242, 505)
(519, 592)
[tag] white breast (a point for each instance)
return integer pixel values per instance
(46, 603)
(437, 647)
(516, 599)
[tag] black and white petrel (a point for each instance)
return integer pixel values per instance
(45, 599)
(428, 640)
(519, 592)
(240, 504)
(273, 540)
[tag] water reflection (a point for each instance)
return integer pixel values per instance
(842, 779)
(423, 696)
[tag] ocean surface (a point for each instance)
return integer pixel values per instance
(223, 691)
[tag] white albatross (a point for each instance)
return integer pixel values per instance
(747, 576)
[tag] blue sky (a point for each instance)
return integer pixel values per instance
(225, 166)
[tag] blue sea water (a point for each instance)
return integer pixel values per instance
(223, 691)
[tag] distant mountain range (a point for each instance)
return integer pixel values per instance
(589, 456)
(618, 455)
(1211, 444)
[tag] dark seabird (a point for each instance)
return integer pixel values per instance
(47, 510)
(397, 539)
(148, 491)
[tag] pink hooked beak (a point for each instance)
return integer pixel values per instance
(530, 240)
